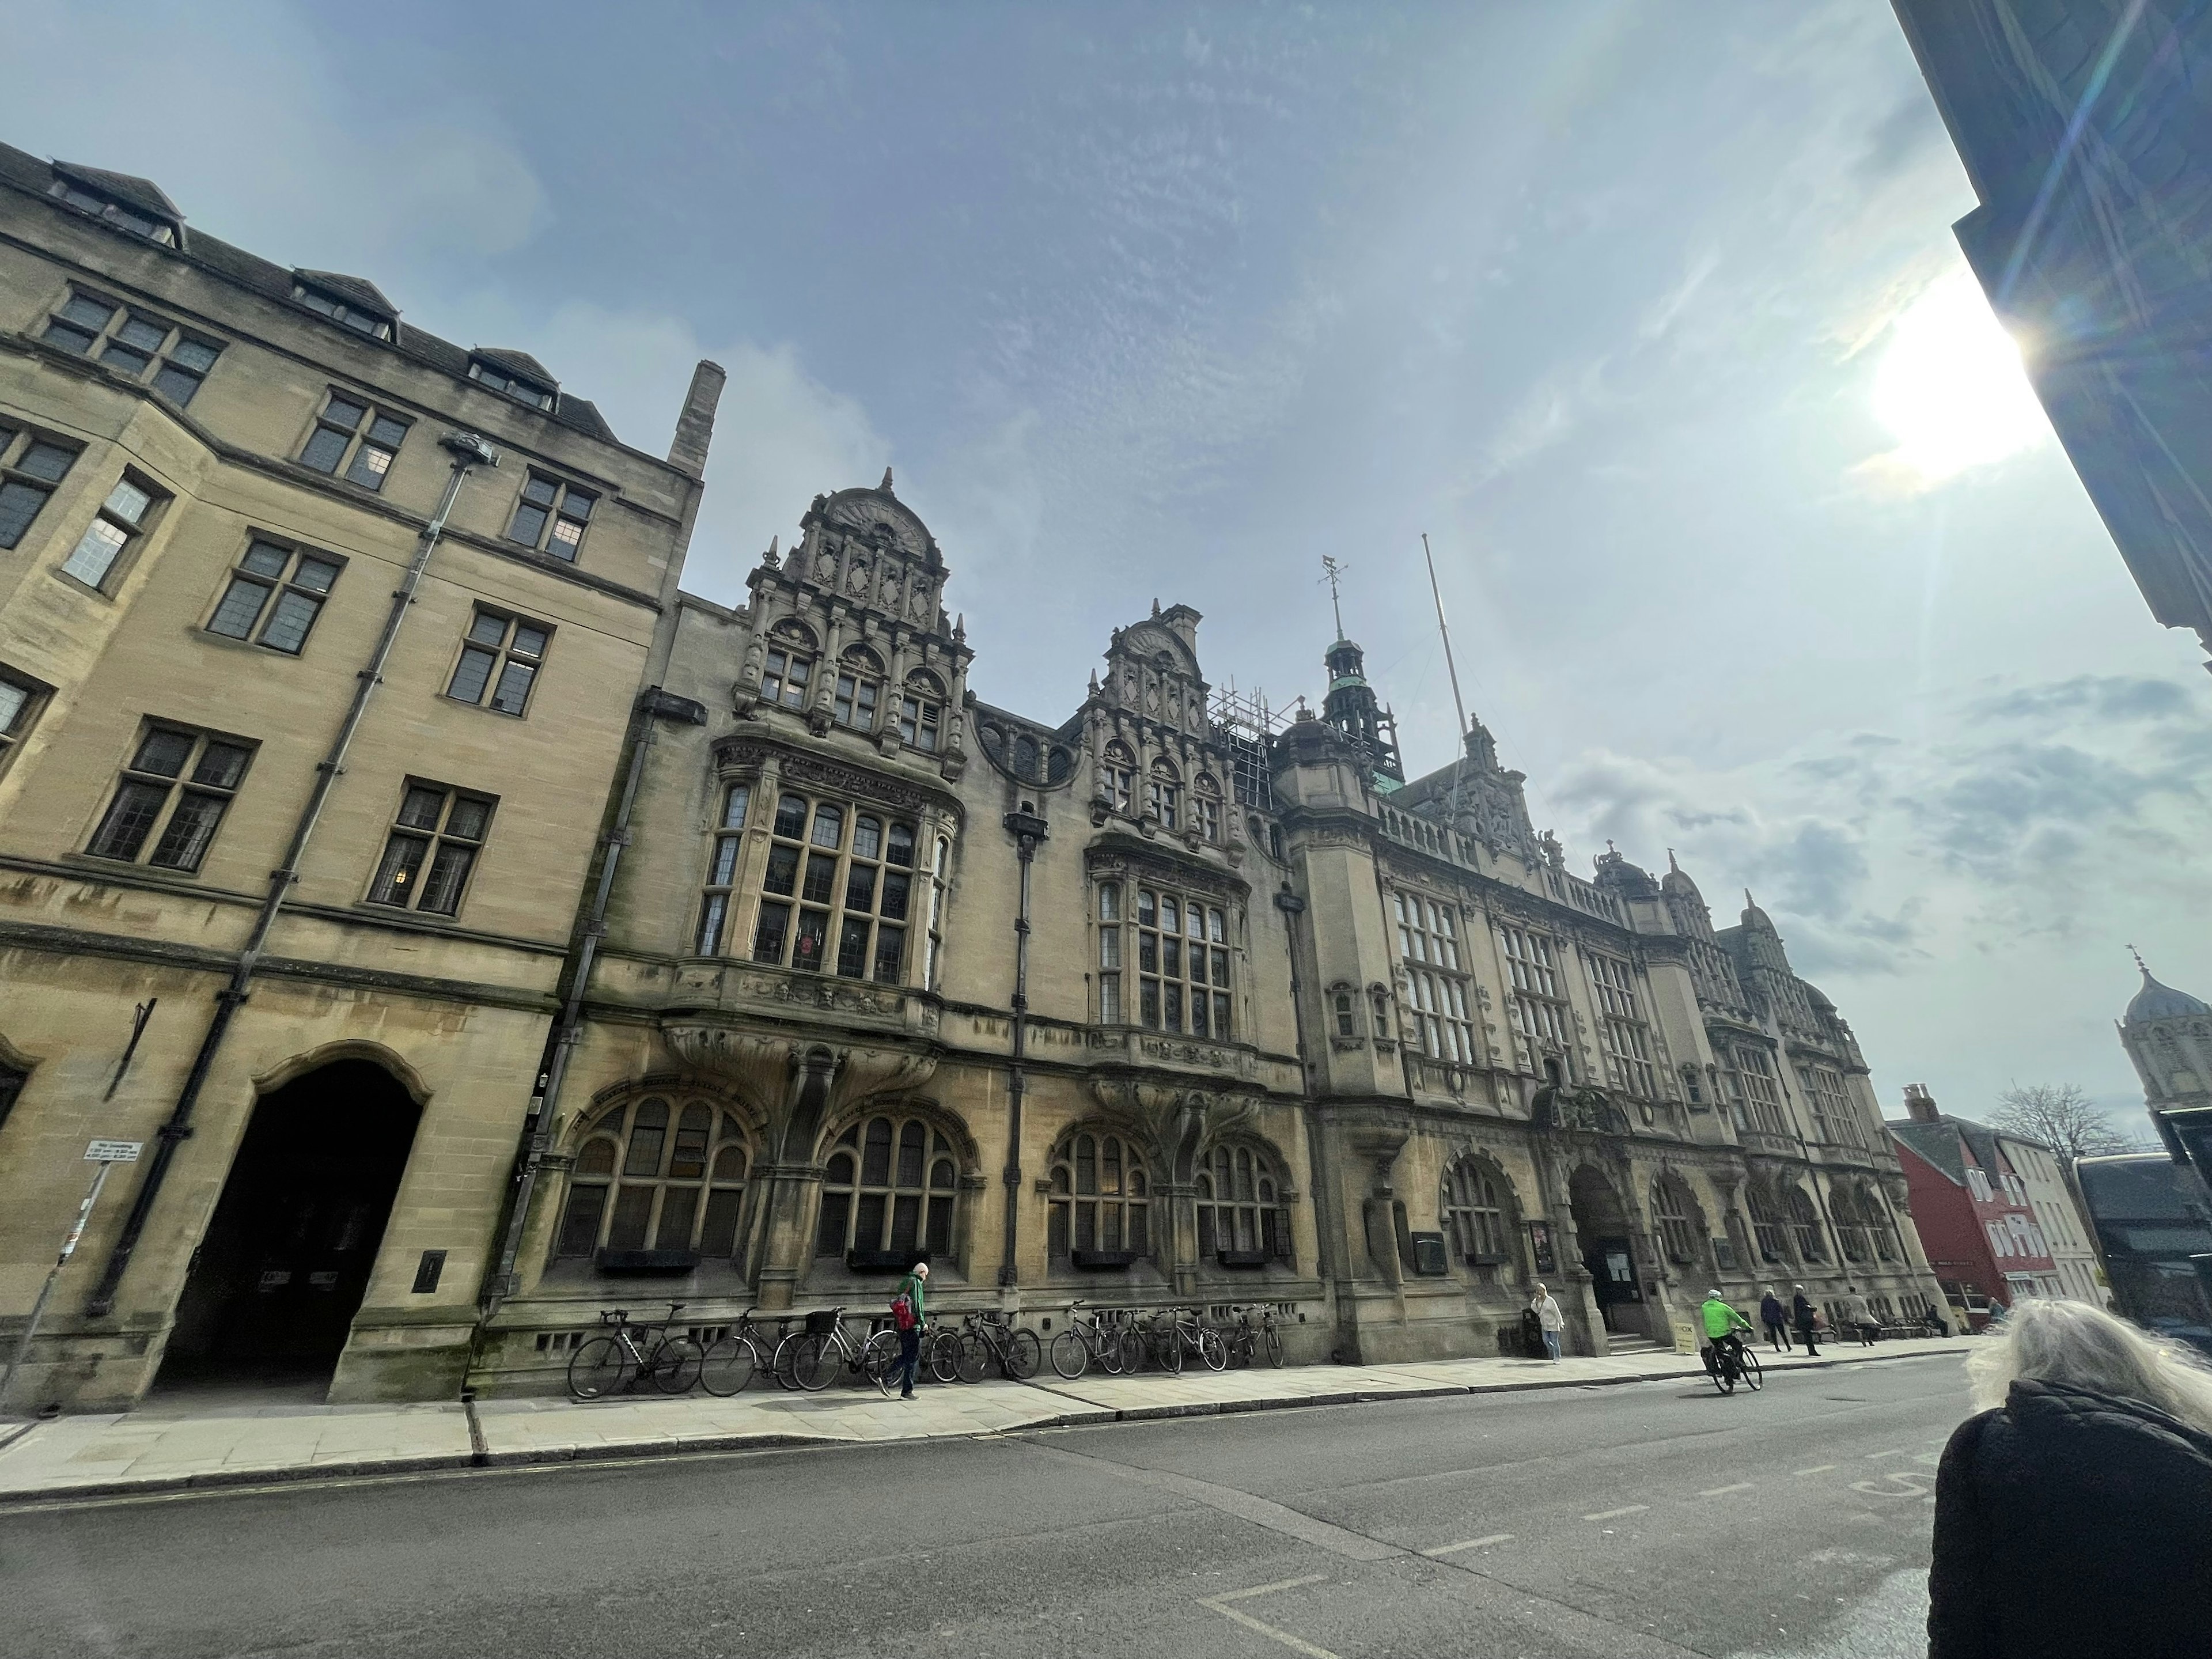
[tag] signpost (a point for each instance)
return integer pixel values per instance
(106, 1154)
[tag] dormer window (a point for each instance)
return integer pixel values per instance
(137, 221)
(350, 313)
(514, 385)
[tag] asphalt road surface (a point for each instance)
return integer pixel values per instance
(1646, 1520)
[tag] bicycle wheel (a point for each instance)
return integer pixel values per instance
(1211, 1349)
(601, 1367)
(675, 1364)
(941, 1354)
(1129, 1349)
(1022, 1355)
(1754, 1375)
(727, 1367)
(816, 1362)
(1169, 1353)
(780, 1366)
(1723, 1373)
(1069, 1356)
(1274, 1338)
(880, 1358)
(973, 1357)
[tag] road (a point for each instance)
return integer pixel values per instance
(1644, 1520)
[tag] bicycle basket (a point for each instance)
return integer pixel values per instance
(822, 1324)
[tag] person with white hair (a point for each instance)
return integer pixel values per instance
(2074, 1511)
(1550, 1322)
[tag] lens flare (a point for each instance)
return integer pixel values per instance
(1950, 387)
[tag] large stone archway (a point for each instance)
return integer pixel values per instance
(1605, 1237)
(282, 1271)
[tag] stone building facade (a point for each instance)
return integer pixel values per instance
(1139, 1005)
(479, 932)
(318, 975)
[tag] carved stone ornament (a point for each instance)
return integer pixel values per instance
(1182, 1123)
(770, 1072)
(1112, 857)
(744, 755)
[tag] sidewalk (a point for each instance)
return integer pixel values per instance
(196, 1444)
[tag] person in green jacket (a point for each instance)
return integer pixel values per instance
(910, 1359)
(1724, 1326)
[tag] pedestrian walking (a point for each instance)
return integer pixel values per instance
(1549, 1319)
(1775, 1318)
(909, 1325)
(1805, 1316)
(2074, 1511)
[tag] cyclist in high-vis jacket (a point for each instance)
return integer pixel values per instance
(1724, 1326)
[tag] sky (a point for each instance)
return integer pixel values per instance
(1753, 544)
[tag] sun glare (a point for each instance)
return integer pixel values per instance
(1950, 387)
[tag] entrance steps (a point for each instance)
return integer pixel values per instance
(1628, 1342)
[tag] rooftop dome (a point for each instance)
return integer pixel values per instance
(2157, 1001)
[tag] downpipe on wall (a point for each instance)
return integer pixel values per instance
(1028, 829)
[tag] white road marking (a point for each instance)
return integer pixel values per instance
(1615, 1514)
(1896, 1453)
(1471, 1544)
(1293, 1642)
(1722, 1492)
(1264, 1590)
(1817, 1469)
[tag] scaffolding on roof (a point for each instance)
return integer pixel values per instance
(1246, 725)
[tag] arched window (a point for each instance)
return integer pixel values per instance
(1805, 1224)
(1164, 794)
(788, 665)
(1101, 1202)
(1275, 841)
(1241, 1218)
(1117, 778)
(888, 1188)
(1025, 762)
(1382, 1012)
(1206, 806)
(1475, 1215)
(1766, 1224)
(1347, 1021)
(662, 1176)
(860, 689)
(921, 711)
(1670, 1211)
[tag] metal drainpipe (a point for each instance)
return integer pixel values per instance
(537, 1127)
(1327, 1231)
(1029, 830)
(468, 451)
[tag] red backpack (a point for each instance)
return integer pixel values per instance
(902, 1318)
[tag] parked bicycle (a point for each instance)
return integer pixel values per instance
(733, 1358)
(987, 1340)
(941, 1348)
(631, 1351)
(822, 1350)
(1249, 1340)
(1083, 1343)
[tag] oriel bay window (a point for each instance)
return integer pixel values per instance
(860, 689)
(1205, 807)
(888, 1187)
(1164, 794)
(1241, 1219)
(1833, 1120)
(788, 667)
(837, 892)
(1757, 1095)
(1100, 1202)
(1182, 964)
(661, 1176)
(722, 869)
(1428, 941)
(1540, 1017)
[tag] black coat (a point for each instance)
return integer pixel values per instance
(2072, 1526)
(1769, 1310)
(1801, 1312)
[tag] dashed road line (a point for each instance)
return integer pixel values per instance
(1897, 1451)
(1723, 1491)
(1615, 1514)
(1817, 1469)
(1264, 1590)
(1471, 1544)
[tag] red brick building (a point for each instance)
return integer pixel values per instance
(1971, 1207)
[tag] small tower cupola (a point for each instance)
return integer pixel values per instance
(1351, 705)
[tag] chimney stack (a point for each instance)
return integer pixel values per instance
(1919, 1105)
(695, 427)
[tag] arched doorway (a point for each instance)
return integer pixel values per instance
(276, 1283)
(1603, 1235)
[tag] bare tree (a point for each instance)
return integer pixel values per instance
(2062, 1117)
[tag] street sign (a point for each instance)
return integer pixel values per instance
(113, 1151)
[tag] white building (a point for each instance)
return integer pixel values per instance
(2065, 1233)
